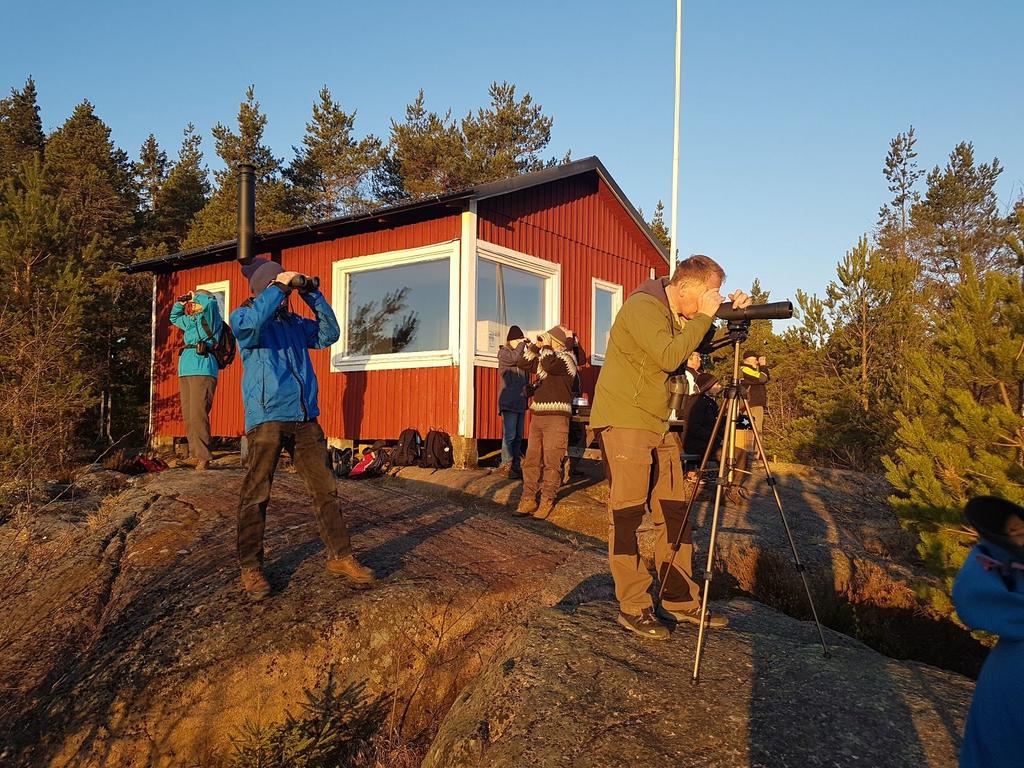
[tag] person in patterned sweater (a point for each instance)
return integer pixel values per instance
(554, 364)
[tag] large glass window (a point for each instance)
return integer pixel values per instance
(506, 296)
(606, 302)
(398, 309)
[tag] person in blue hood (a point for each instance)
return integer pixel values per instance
(197, 314)
(989, 595)
(279, 390)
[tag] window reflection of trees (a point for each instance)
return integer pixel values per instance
(374, 329)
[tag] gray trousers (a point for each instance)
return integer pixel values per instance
(196, 403)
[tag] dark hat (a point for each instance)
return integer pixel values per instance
(514, 333)
(559, 334)
(261, 273)
(750, 353)
(991, 517)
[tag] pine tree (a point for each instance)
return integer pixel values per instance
(95, 179)
(275, 208)
(151, 172)
(331, 171)
(506, 138)
(902, 173)
(658, 228)
(44, 376)
(962, 434)
(957, 226)
(425, 156)
(183, 193)
(21, 129)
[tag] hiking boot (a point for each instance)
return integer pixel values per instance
(202, 465)
(542, 511)
(693, 617)
(255, 584)
(515, 473)
(645, 625)
(505, 470)
(351, 569)
(526, 506)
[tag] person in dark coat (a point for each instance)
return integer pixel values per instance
(989, 595)
(512, 402)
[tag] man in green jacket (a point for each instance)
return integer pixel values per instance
(659, 325)
(198, 315)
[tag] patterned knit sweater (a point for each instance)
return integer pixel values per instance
(556, 372)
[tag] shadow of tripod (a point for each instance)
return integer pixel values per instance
(727, 418)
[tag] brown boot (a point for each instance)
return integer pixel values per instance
(527, 505)
(202, 465)
(351, 569)
(546, 505)
(255, 583)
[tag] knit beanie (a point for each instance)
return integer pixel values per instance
(559, 334)
(261, 273)
(749, 353)
(514, 334)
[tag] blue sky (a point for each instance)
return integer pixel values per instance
(788, 107)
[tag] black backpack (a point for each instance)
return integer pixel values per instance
(224, 348)
(437, 451)
(340, 460)
(409, 450)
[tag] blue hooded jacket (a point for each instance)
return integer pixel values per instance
(190, 362)
(278, 382)
(989, 595)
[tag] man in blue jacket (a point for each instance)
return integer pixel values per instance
(197, 314)
(279, 390)
(989, 595)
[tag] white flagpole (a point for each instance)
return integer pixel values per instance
(675, 143)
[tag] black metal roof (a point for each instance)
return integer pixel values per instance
(269, 241)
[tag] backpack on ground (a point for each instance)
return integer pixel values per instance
(224, 348)
(409, 450)
(376, 461)
(437, 451)
(341, 461)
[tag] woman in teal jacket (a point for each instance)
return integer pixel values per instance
(989, 595)
(198, 316)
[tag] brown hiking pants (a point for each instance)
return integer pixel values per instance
(196, 404)
(306, 444)
(641, 466)
(542, 467)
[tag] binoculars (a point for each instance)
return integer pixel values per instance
(304, 283)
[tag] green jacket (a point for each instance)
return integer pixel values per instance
(645, 346)
(190, 362)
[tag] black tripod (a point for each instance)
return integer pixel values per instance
(728, 417)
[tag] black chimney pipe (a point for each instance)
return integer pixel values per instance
(246, 212)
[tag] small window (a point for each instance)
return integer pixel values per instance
(222, 292)
(607, 299)
(395, 309)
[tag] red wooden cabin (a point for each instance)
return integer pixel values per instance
(425, 292)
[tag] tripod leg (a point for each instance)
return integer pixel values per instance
(727, 450)
(664, 570)
(789, 533)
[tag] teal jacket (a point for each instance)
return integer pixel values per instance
(278, 381)
(190, 362)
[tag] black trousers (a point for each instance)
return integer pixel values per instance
(306, 444)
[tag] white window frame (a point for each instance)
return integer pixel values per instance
(550, 271)
(616, 290)
(220, 286)
(394, 360)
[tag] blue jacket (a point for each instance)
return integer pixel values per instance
(991, 598)
(190, 362)
(278, 382)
